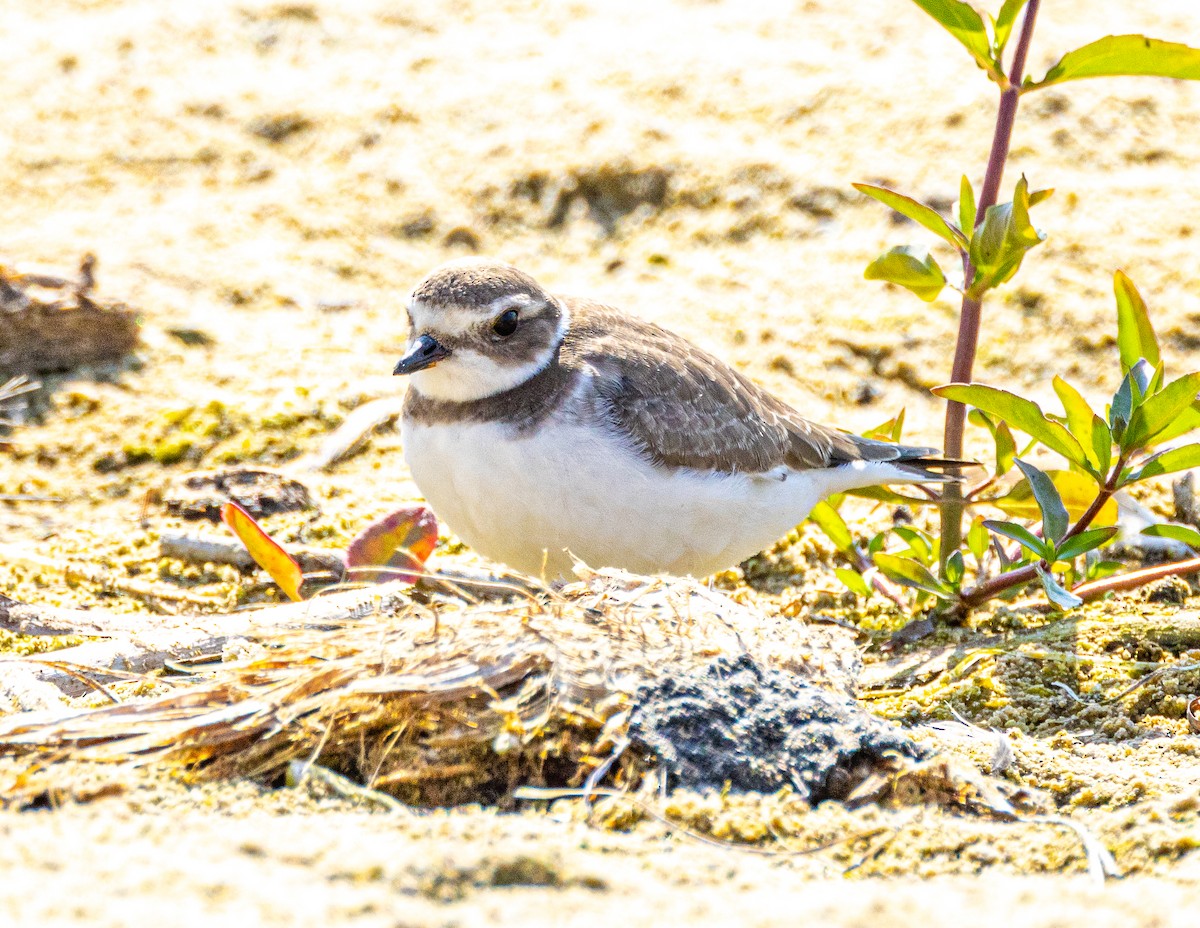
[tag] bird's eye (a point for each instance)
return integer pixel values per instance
(506, 323)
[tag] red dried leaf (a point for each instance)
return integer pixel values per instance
(264, 549)
(394, 547)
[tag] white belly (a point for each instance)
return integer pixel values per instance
(528, 500)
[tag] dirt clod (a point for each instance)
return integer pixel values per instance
(259, 492)
(754, 729)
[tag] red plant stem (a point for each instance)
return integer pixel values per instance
(972, 307)
(1131, 581)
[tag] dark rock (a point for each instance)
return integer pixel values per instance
(760, 730)
(259, 492)
(1173, 591)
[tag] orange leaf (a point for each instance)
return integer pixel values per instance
(394, 547)
(264, 549)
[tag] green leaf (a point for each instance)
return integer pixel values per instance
(1080, 418)
(1135, 334)
(1091, 431)
(1003, 24)
(1146, 380)
(1121, 410)
(834, 526)
(1098, 570)
(1022, 536)
(966, 206)
(887, 431)
(954, 569)
(918, 542)
(1018, 412)
(1062, 598)
(1124, 56)
(1055, 520)
(1187, 421)
(1036, 196)
(1184, 533)
(919, 213)
(977, 539)
(910, 267)
(965, 24)
(891, 497)
(1160, 411)
(906, 571)
(1006, 446)
(1078, 492)
(853, 581)
(999, 243)
(1084, 542)
(1184, 457)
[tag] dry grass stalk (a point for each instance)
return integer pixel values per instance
(438, 702)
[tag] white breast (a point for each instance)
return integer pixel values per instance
(527, 500)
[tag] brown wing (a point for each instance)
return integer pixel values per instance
(682, 407)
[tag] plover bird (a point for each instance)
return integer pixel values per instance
(543, 427)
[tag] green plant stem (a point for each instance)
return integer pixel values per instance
(972, 306)
(989, 589)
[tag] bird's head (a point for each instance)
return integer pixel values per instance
(477, 328)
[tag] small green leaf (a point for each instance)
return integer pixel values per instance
(908, 572)
(1037, 196)
(875, 545)
(918, 543)
(1123, 56)
(1144, 376)
(918, 212)
(1003, 24)
(853, 581)
(1055, 520)
(1065, 600)
(887, 431)
(1183, 533)
(999, 243)
(891, 497)
(966, 206)
(1006, 446)
(1018, 412)
(965, 24)
(1135, 334)
(1121, 410)
(1185, 457)
(834, 526)
(1084, 542)
(1098, 569)
(1102, 445)
(977, 539)
(1078, 492)
(1161, 410)
(909, 267)
(954, 569)
(1022, 536)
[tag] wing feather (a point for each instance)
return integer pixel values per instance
(683, 407)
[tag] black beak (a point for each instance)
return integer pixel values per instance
(424, 352)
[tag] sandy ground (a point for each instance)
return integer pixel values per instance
(278, 176)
